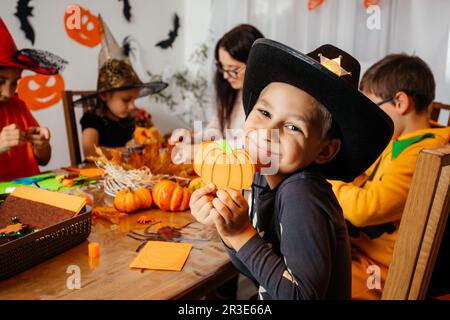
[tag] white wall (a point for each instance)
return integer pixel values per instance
(151, 23)
(207, 20)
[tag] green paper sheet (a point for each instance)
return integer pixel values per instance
(51, 184)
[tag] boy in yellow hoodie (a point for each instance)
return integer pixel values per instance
(403, 86)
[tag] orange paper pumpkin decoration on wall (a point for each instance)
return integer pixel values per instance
(82, 26)
(368, 3)
(312, 4)
(40, 91)
(170, 196)
(217, 163)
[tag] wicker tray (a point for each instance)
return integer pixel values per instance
(21, 254)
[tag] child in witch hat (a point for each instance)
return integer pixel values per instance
(112, 118)
(24, 145)
(306, 115)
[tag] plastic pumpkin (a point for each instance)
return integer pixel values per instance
(82, 26)
(130, 201)
(170, 196)
(217, 163)
(40, 91)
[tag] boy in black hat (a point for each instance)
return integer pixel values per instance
(305, 114)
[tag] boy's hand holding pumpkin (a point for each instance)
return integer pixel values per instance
(230, 215)
(201, 204)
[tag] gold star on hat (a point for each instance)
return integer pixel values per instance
(334, 65)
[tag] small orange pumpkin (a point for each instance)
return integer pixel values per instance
(144, 197)
(128, 201)
(82, 26)
(217, 163)
(170, 196)
(40, 91)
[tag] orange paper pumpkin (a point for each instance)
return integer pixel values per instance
(368, 3)
(312, 4)
(40, 91)
(170, 196)
(217, 163)
(83, 27)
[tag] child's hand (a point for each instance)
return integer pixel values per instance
(131, 143)
(230, 212)
(201, 204)
(39, 137)
(11, 136)
(180, 135)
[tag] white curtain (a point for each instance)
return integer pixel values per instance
(418, 27)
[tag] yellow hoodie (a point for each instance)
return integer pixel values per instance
(374, 202)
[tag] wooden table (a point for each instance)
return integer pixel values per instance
(110, 277)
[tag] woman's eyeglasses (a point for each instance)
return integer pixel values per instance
(233, 73)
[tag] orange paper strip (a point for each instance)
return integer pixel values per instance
(94, 249)
(55, 199)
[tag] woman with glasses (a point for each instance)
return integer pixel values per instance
(231, 53)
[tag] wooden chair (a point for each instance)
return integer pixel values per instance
(435, 111)
(71, 123)
(422, 227)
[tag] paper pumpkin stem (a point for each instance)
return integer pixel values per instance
(225, 146)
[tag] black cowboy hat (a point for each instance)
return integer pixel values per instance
(331, 76)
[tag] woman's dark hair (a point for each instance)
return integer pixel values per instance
(237, 42)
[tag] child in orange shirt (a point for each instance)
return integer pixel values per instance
(24, 145)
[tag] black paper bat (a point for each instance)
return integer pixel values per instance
(24, 11)
(126, 48)
(126, 10)
(173, 34)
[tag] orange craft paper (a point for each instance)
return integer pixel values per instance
(159, 255)
(88, 172)
(55, 199)
(94, 250)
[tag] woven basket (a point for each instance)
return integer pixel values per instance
(23, 253)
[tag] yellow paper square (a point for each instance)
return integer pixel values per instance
(159, 255)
